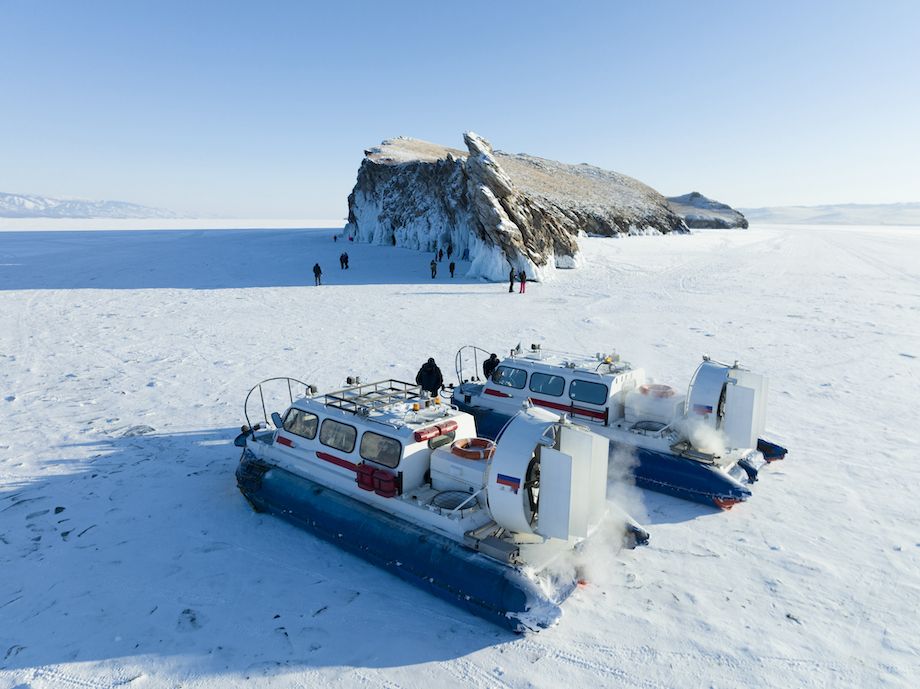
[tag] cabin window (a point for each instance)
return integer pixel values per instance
(300, 423)
(545, 384)
(442, 440)
(510, 377)
(585, 391)
(380, 449)
(338, 435)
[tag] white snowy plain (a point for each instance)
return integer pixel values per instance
(129, 558)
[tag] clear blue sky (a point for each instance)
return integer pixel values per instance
(263, 109)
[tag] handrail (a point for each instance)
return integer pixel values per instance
(458, 362)
(463, 504)
(258, 386)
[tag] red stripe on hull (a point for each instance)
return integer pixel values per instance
(593, 413)
(332, 459)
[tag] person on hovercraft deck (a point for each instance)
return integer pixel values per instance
(489, 366)
(429, 377)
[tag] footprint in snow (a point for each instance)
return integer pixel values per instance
(189, 620)
(134, 431)
(12, 398)
(14, 651)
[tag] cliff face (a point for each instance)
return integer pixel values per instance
(497, 210)
(700, 212)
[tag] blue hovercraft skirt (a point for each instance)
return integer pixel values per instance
(474, 582)
(661, 472)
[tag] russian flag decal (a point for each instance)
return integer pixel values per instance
(512, 482)
(702, 409)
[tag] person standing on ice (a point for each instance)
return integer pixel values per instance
(345, 258)
(429, 377)
(450, 251)
(511, 280)
(317, 274)
(440, 254)
(522, 276)
(341, 261)
(452, 267)
(489, 366)
(434, 269)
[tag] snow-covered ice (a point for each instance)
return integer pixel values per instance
(128, 557)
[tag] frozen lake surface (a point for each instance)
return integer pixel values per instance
(128, 557)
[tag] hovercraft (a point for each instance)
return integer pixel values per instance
(705, 446)
(401, 479)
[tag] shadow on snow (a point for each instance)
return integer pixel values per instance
(144, 547)
(204, 259)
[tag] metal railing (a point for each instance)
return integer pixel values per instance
(291, 384)
(471, 352)
(364, 398)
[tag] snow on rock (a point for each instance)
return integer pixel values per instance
(700, 212)
(497, 210)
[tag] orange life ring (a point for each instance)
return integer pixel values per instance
(656, 390)
(473, 448)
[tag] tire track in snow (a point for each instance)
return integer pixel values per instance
(472, 674)
(57, 678)
(376, 680)
(877, 264)
(605, 673)
(645, 656)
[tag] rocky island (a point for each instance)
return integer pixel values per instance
(496, 210)
(700, 212)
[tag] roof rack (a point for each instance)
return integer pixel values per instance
(362, 399)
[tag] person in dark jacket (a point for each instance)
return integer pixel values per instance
(450, 251)
(452, 267)
(345, 258)
(440, 254)
(317, 274)
(522, 276)
(511, 280)
(429, 377)
(434, 269)
(489, 366)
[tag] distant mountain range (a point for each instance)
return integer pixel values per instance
(32, 206)
(35, 206)
(837, 214)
